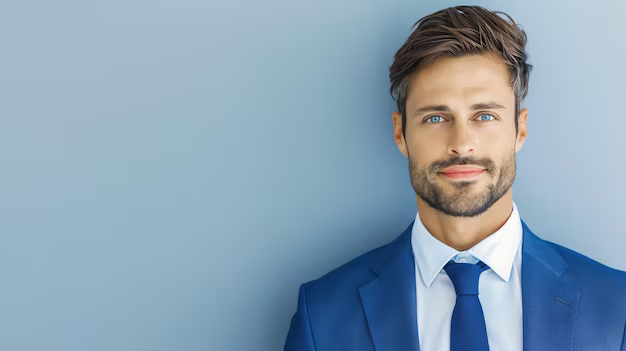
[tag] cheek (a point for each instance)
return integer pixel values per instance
(427, 146)
(424, 153)
(497, 141)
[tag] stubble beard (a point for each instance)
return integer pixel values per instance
(459, 198)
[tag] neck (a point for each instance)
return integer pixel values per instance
(463, 233)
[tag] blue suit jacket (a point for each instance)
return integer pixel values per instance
(570, 302)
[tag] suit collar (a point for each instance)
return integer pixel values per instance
(532, 246)
(543, 252)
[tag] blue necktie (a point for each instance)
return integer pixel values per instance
(468, 331)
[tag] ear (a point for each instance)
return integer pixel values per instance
(522, 129)
(398, 136)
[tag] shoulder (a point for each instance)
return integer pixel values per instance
(603, 288)
(588, 273)
(352, 272)
(591, 271)
(345, 280)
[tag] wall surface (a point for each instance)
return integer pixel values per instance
(172, 171)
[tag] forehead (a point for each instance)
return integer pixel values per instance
(462, 80)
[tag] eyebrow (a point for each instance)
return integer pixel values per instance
(443, 108)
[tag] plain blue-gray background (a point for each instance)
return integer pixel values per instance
(172, 171)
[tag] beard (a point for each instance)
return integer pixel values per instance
(462, 200)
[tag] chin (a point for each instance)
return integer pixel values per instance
(465, 185)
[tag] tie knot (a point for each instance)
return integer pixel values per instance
(465, 276)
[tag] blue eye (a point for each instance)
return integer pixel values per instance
(434, 119)
(486, 117)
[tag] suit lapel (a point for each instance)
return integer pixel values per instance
(550, 298)
(389, 300)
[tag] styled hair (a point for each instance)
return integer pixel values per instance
(461, 31)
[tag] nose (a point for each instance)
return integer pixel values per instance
(461, 142)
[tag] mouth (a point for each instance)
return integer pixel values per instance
(462, 172)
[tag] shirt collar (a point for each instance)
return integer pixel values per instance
(497, 250)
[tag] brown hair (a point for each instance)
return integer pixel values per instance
(460, 31)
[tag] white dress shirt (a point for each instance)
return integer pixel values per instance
(499, 288)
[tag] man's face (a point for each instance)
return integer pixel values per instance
(460, 134)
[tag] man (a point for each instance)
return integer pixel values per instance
(468, 273)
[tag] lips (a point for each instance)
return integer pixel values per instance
(462, 171)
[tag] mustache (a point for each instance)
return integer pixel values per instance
(486, 163)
